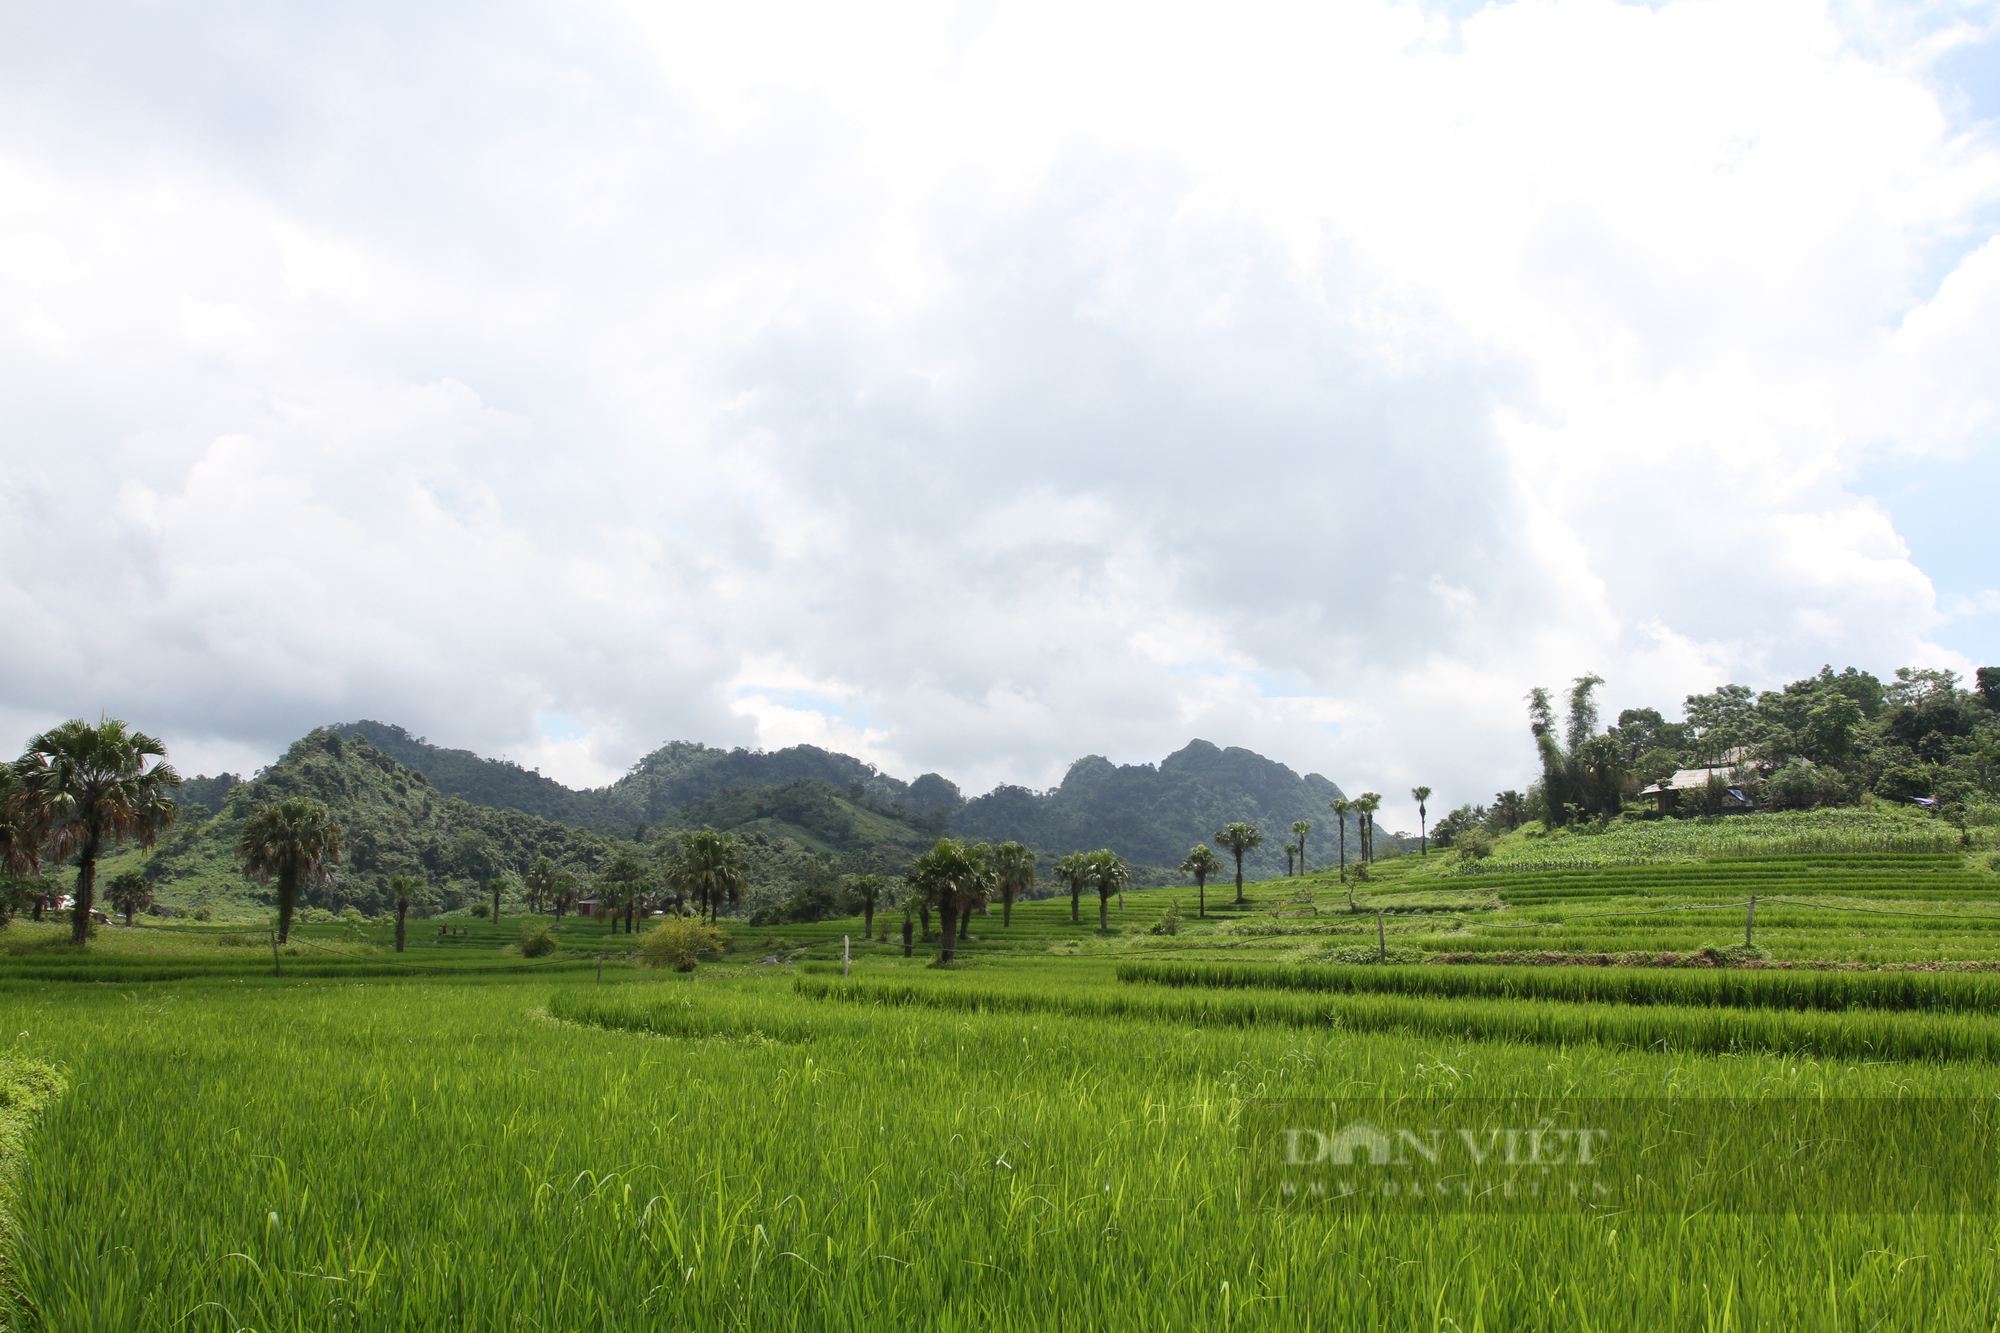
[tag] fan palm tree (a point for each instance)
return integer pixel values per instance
(1366, 805)
(499, 884)
(866, 890)
(19, 852)
(1069, 871)
(129, 892)
(83, 787)
(1236, 839)
(539, 884)
(1201, 863)
(294, 839)
(953, 876)
(1015, 867)
(708, 867)
(405, 890)
(1420, 795)
(1299, 829)
(1342, 808)
(1108, 874)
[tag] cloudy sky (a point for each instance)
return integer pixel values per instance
(972, 388)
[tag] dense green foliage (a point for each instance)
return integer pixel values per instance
(1831, 739)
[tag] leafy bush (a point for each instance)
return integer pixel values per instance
(1475, 844)
(1170, 920)
(1803, 785)
(479, 910)
(204, 914)
(537, 940)
(678, 942)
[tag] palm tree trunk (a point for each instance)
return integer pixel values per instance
(867, 920)
(1007, 910)
(402, 919)
(1201, 894)
(1075, 903)
(288, 902)
(86, 891)
(965, 922)
(1239, 877)
(948, 910)
(925, 910)
(1103, 912)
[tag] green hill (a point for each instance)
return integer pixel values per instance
(394, 820)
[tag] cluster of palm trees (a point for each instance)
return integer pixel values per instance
(954, 876)
(1103, 872)
(1241, 838)
(1362, 808)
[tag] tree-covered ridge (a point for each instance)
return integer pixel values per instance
(658, 785)
(500, 783)
(393, 821)
(835, 805)
(1152, 815)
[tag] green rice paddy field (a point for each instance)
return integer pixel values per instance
(1044, 1136)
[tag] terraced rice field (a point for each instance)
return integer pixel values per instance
(1047, 1136)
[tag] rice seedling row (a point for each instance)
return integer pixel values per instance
(1933, 992)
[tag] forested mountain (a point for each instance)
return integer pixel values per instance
(1152, 815)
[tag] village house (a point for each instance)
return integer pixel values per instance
(1694, 783)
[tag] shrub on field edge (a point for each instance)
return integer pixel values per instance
(1474, 844)
(678, 942)
(1170, 920)
(537, 940)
